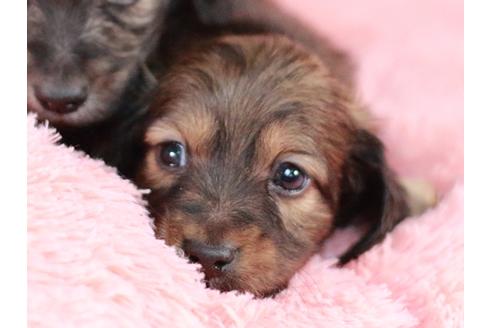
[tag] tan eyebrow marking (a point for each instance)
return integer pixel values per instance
(283, 141)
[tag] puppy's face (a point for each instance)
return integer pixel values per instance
(81, 54)
(246, 148)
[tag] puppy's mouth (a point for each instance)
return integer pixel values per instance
(223, 284)
(227, 284)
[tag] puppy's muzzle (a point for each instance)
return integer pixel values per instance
(62, 98)
(214, 259)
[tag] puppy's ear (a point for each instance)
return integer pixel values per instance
(370, 192)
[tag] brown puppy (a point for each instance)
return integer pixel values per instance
(254, 153)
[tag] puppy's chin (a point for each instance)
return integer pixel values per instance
(223, 284)
(240, 285)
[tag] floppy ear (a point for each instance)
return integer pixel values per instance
(370, 193)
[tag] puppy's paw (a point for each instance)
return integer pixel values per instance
(421, 195)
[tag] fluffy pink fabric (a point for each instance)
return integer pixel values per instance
(93, 260)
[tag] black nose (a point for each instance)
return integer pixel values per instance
(214, 259)
(61, 99)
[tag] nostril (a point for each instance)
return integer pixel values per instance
(219, 265)
(73, 104)
(193, 259)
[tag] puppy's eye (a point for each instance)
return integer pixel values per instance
(172, 154)
(290, 177)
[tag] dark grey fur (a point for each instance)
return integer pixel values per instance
(101, 44)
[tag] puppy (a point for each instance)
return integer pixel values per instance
(86, 68)
(83, 54)
(254, 152)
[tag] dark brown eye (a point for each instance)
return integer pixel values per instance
(290, 177)
(172, 154)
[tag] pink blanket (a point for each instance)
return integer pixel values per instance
(93, 260)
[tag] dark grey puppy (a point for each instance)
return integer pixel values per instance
(86, 70)
(83, 54)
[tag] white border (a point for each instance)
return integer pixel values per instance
(13, 177)
(478, 163)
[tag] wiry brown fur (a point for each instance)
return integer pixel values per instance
(241, 105)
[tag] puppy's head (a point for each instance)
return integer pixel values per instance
(82, 54)
(253, 155)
